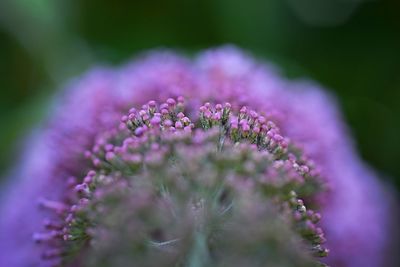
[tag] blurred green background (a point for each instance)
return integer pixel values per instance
(352, 47)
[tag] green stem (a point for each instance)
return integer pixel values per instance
(199, 256)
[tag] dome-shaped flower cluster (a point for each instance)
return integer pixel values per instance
(218, 175)
(168, 181)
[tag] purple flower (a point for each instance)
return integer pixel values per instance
(355, 208)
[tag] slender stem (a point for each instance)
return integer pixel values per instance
(199, 255)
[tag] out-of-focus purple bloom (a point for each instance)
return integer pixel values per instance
(355, 210)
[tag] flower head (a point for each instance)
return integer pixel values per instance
(172, 157)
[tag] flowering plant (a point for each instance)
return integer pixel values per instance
(216, 162)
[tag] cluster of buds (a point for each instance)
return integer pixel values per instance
(167, 190)
(186, 184)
